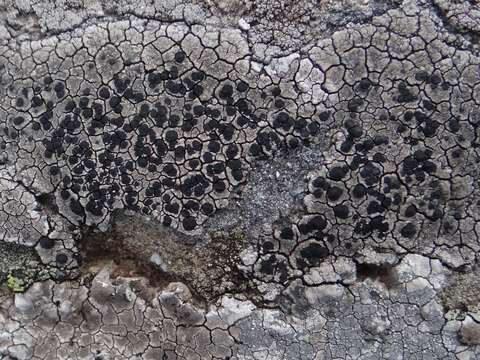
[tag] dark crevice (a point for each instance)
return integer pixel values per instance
(383, 273)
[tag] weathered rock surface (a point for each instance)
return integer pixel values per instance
(237, 179)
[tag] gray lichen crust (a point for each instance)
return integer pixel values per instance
(239, 179)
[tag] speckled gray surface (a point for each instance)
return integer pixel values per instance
(239, 179)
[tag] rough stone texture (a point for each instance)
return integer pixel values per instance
(239, 179)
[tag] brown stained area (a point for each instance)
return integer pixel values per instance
(462, 292)
(469, 334)
(206, 266)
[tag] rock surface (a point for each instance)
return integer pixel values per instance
(239, 179)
